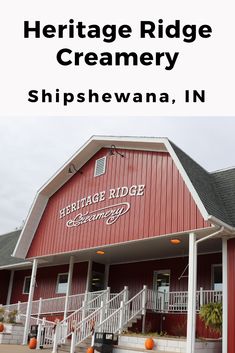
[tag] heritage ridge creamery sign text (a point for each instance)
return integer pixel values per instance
(109, 33)
(110, 213)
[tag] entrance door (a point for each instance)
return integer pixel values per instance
(97, 277)
(161, 287)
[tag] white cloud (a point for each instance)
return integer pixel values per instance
(32, 149)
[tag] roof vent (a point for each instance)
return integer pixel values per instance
(100, 166)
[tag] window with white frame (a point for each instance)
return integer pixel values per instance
(62, 283)
(26, 285)
(217, 281)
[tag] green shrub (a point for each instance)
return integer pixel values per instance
(211, 315)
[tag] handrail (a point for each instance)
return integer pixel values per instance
(126, 312)
(51, 305)
(35, 320)
(177, 301)
(81, 329)
(67, 325)
(48, 327)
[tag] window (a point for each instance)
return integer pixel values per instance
(62, 283)
(161, 280)
(100, 166)
(26, 285)
(217, 283)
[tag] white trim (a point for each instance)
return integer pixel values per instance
(187, 181)
(23, 290)
(30, 300)
(192, 278)
(57, 282)
(9, 292)
(69, 285)
(21, 264)
(30, 226)
(221, 223)
(104, 166)
(225, 296)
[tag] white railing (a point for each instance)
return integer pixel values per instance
(53, 305)
(100, 321)
(208, 296)
(114, 301)
(90, 304)
(108, 302)
(178, 301)
(127, 311)
(45, 330)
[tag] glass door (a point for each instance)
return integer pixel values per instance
(97, 277)
(161, 287)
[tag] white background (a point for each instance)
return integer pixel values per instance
(204, 64)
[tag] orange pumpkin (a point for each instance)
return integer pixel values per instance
(33, 343)
(90, 350)
(149, 343)
(1, 327)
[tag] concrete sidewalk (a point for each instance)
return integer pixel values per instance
(12, 348)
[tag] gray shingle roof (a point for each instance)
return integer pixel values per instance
(213, 189)
(225, 182)
(7, 245)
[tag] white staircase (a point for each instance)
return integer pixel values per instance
(103, 312)
(107, 318)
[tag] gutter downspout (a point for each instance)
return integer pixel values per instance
(217, 221)
(210, 235)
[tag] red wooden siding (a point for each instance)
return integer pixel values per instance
(231, 295)
(135, 275)
(46, 281)
(166, 207)
(4, 280)
(174, 324)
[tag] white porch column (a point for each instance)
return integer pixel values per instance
(192, 279)
(30, 299)
(68, 291)
(10, 287)
(106, 276)
(225, 296)
(88, 279)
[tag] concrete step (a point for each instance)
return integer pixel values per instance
(82, 347)
(128, 349)
(131, 322)
(64, 349)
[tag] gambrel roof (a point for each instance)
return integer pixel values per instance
(212, 192)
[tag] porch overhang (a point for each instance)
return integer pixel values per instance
(159, 247)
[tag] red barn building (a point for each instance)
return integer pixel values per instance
(137, 213)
